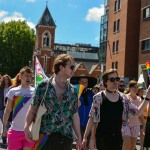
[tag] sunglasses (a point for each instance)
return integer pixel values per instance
(114, 79)
(72, 67)
(121, 85)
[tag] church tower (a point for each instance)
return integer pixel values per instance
(45, 37)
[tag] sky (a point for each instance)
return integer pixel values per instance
(77, 21)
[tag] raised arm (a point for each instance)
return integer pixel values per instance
(144, 103)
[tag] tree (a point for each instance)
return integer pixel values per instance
(16, 46)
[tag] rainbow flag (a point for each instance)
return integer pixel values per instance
(148, 68)
(79, 88)
(39, 72)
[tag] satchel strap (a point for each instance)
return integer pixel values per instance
(43, 99)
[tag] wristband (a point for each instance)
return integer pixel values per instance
(147, 99)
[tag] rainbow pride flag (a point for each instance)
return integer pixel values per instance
(80, 89)
(148, 68)
(39, 72)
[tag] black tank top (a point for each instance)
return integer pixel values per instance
(110, 116)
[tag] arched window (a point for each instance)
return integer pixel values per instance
(45, 63)
(46, 39)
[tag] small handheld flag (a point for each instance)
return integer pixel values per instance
(148, 68)
(80, 89)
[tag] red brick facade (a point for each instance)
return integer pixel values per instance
(126, 58)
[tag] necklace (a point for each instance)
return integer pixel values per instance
(110, 91)
(62, 87)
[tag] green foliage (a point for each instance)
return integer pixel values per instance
(16, 46)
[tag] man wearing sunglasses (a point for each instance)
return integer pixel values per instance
(110, 110)
(61, 102)
(121, 86)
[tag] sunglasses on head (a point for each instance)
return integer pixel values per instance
(114, 79)
(72, 67)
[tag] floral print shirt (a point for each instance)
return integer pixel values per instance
(59, 115)
(128, 108)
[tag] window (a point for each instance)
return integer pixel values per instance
(113, 48)
(113, 65)
(117, 46)
(118, 4)
(146, 45)
(146, 12)
(46, 39)
(115, 8)
(114, 26)
(118, 25)
(45, 63)
(116, 65)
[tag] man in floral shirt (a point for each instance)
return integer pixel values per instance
(61, 102)
(111, 109)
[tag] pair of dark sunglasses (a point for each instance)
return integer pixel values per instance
(121, 85)
(114, 79)
(72, 67)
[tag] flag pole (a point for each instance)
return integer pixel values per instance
(34, 69)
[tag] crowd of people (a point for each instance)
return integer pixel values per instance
(107, 116)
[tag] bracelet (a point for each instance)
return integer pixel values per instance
(147, 99)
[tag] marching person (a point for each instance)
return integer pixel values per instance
(111, 109)
(86, 100)
(19, 99)
(131, 131)
(61, 102)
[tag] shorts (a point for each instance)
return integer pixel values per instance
(131, 131)
(55, 141)
(17, 140)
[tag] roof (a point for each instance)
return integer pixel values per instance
(93, 68)
(46, 19)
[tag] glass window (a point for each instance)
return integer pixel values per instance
(117, 46)
(115, 7)
(116, 65)
(114, 26)
(146, 45)
(118, 25)
(146, 12)
(113, 48)
(118, 4)
(112, 65)
(46, 39)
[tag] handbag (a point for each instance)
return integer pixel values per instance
(35, 127)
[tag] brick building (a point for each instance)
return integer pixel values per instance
(144, 41)
(86, 56)
(123, 37)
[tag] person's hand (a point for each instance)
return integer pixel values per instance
(78, 144)
(28, 134)
(84, 143)
(4, 132)
(92, 144)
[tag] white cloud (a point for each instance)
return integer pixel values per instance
(15, 16)
(3, 13)
(32, 1)
(95, 13)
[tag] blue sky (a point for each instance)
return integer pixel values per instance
(77, 21)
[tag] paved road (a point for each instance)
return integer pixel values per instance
(3, 147)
